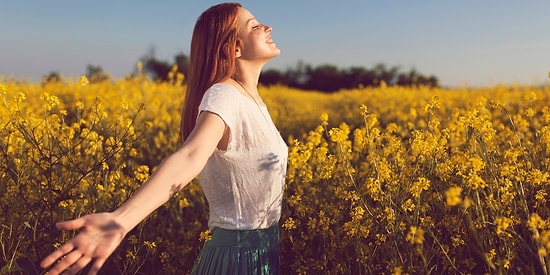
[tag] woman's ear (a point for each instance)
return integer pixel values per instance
(238, 52)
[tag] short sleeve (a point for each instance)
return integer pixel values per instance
(219, 99)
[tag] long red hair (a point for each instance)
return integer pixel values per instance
(212, 58)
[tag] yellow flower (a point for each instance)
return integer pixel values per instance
(537, 177)
(397, 270)
(475, 182)
(357, 213)
(531, 96)
(51, 100)
(374, 189)
(418, 186)
(150, 245)
(467, 203)
(453, 195)
(20, 97)
(502, 224)
(180, 78)
(3, 89)
(381, 238)
(289, 224)
(457, 241)
(324, 119)
(364, 110)
(131, 255)
(205, 235)
(540, 197)
(535, 222)
(183, 203)
(142, 173)
(506, 263)
(490, 255)
(132, 239)
(545, 239)
(339, 135)
(83, 81)
(164, 257)
(408, 205)
(415, 235)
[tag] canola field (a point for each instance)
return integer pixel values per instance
(385, 180)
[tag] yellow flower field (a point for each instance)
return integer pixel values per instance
(385, 180)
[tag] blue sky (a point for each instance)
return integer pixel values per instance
(484, 42)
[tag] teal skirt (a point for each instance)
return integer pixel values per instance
(240, 252)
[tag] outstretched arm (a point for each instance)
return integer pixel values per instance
(101, 233)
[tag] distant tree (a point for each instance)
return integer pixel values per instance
(182, 61)
(51, 77)
(158, 70)
(272, 77)
(384, 74)
(96, 74)
(324, 78)
(155, 69)
(432, 81)
(298, 76)
(358, 77)
(415, 79)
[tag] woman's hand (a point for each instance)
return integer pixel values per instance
(99, 236)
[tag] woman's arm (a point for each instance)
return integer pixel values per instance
(101, 233)
(175, 172)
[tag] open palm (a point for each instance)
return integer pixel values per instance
(99, 236)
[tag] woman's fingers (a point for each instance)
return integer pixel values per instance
(54, 256)
(80, 264)
(96, 266)
(72, 224)
(66, 248)
(66, 262)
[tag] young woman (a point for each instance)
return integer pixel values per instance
(229, 141)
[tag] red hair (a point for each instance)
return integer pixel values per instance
(212, 58)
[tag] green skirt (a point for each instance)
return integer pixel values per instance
(240, 252)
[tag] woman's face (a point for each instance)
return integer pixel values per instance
(256, 38)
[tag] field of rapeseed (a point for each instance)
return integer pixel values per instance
(384, 180)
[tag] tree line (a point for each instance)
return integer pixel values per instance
(325, 78)
(330, 78)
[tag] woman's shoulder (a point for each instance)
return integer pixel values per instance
(221, 87)
(221, 92)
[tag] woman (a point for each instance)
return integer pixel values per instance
(229, 141)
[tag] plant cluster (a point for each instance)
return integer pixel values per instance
(384, 180)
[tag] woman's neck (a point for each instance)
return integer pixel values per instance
(248, 76)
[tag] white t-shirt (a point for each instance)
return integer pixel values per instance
(243, 184)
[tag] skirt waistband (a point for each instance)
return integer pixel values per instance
(256, 238)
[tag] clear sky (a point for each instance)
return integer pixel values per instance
(483, 42)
